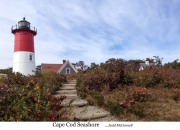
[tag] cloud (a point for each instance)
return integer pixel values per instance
(94, 30)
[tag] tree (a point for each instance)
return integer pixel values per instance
(174, 65)
(94, 65)
(134, 65)
(158, 60)
(38, 70)
(150, 60)
(6, 71)
(80, 65)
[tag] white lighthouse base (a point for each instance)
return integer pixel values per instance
(24, 63)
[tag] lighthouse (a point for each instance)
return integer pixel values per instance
(24, 55)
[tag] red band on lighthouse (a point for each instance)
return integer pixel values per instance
(24, 41)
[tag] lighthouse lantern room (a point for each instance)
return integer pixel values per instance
(24, 55)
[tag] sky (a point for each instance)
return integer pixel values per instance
(94, 30)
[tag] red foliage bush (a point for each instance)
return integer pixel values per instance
(110, 74)
(30, 99)
(175, 92)
(128, 103)
(171, 78)
(139, 94)
(148, 78)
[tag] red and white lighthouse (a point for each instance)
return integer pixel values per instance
(24, 56)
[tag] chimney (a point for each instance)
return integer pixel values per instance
(64, 61)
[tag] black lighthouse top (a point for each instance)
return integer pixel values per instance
(23, 25)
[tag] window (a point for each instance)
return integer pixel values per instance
(23, 24)
(67, 70)
(30, 57)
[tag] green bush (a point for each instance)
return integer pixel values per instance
(114, 108)
(129, 78)
(138, 110)
(81, 89)
(99, 98)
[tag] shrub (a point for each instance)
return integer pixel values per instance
(128, 79)
(175, 94)
(99, 98)
(140, 94)
(114, 108)
(71, 76)
(118, 75)
(148, 78)
(94, 80)
(110, 74)
(128, 103)
(138, 110)
(30, 99)
(81, 89)
(171, 78)
(90, 100)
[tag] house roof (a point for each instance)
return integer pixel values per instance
(62, 67)
(50, 67)
(146, 65)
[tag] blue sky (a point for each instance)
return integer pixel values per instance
(94, 30)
